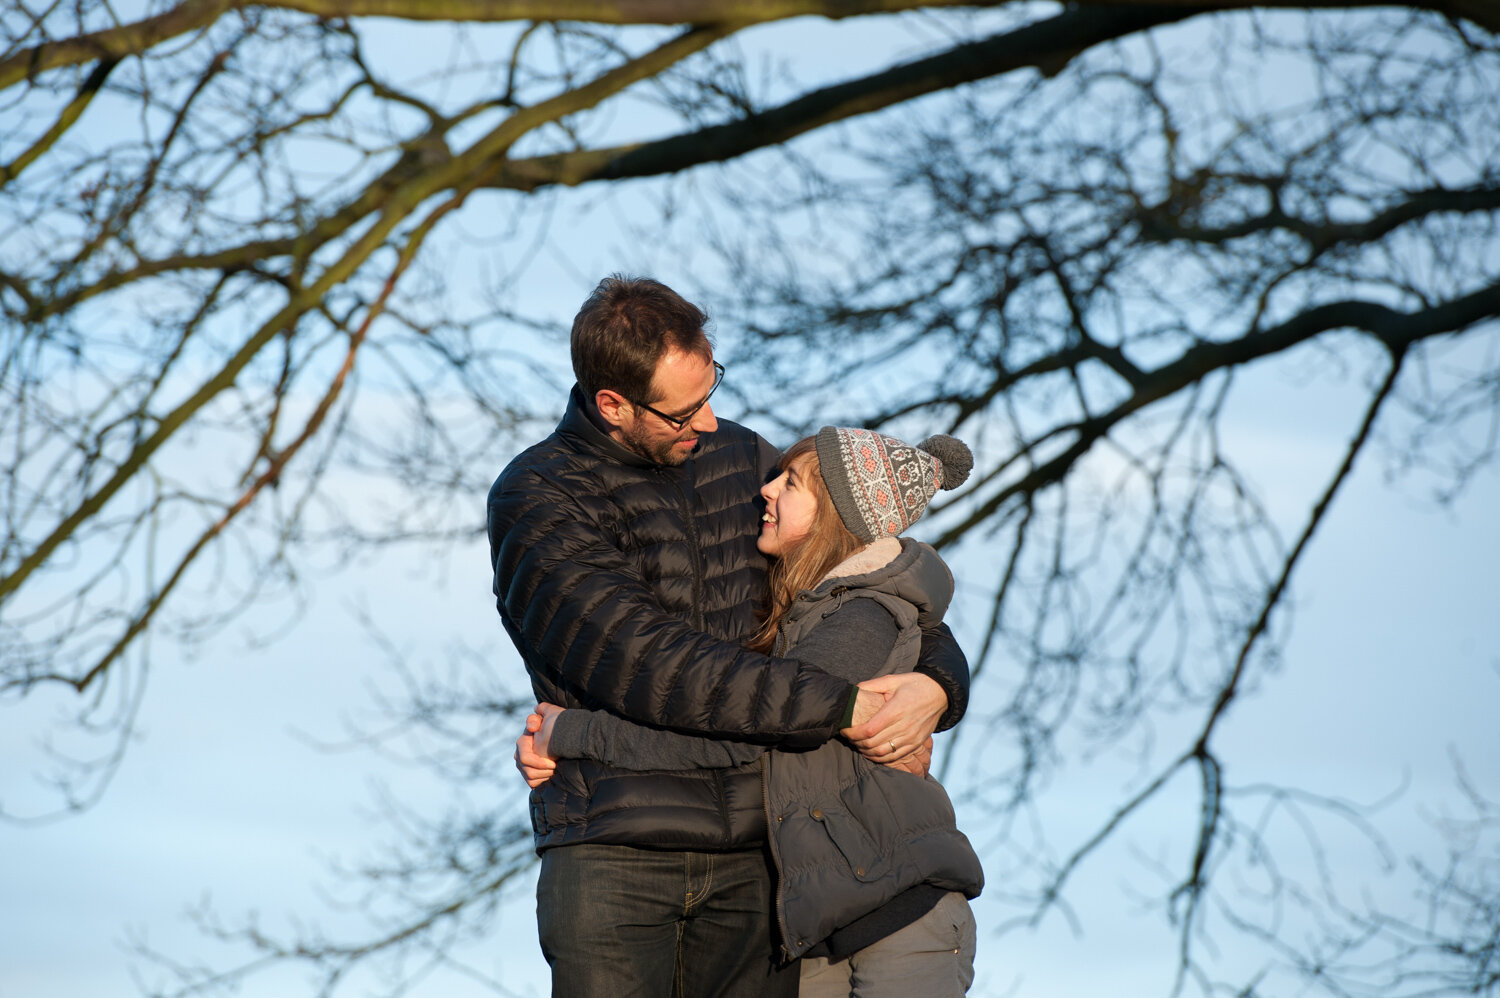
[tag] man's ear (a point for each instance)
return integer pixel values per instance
(612, 406)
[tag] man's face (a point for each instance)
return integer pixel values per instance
(681, 384)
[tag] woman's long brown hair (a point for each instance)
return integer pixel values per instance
(827, 543)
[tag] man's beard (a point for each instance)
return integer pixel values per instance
(654, 449)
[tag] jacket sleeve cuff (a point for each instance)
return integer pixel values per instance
(848, 717)
(570, 735)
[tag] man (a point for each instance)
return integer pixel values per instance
(626, 573)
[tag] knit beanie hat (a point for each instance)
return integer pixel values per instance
(879, 485)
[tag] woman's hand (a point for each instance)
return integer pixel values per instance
(895, 716)
(549, 712)
(532, 757)
(918, 763)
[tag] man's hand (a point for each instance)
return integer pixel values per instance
(900, 721)
(531, 748)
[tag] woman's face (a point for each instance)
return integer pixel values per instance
(791, 504)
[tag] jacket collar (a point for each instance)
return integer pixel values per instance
(870, 558)
(899, 566)
(580, 429)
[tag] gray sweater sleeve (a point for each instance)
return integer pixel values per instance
(852, 642)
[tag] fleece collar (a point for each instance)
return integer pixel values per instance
(873, 556)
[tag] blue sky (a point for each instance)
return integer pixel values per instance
(1393, 662)
(1391, 667)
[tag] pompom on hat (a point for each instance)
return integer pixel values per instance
(879, 485)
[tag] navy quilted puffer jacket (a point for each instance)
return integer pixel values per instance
(628, 586)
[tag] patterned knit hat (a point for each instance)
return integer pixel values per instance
(881, 486)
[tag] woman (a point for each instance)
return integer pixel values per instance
(873, 875)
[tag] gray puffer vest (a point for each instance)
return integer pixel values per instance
(849, 835)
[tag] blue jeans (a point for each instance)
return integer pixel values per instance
(623, 921)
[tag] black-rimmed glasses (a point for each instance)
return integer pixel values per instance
(680, 421)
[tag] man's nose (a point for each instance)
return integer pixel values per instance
(704, 420)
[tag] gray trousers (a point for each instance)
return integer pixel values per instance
(933, 957)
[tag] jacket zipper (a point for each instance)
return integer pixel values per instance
(765, 799)
(720, 795)
(692, 528)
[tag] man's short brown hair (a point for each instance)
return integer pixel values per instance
(622, 330)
